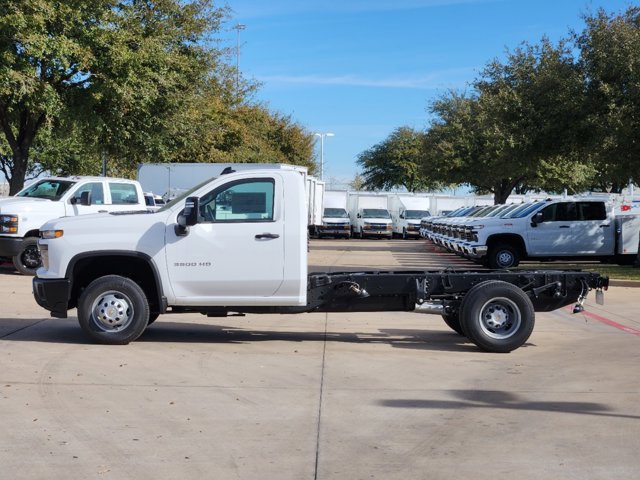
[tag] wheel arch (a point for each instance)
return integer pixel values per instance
(512, 239)
(138, 266)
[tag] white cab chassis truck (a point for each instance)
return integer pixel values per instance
(22, 215)
(369, 215)
(238, 244)
(407, 210)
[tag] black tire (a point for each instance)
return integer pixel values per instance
(113, 310)
(453, 322)
(502, 256)
(28, 260)
(497, 316)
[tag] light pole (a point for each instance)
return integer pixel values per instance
(322, 135)
(237, 28)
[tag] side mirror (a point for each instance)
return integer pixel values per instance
(85, 199)
(359, 216)
(536, 219)
(187, 217)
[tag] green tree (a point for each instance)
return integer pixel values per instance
(610, 59)
(112, 72)
(396, 162)
(522, 125)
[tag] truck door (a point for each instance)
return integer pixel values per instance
(234, 255)
(572, 228)
(73, 205)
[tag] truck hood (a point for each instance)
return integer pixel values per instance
(94, 223)
(23, 204)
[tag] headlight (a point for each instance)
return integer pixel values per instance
(49, 234)
(8, 224)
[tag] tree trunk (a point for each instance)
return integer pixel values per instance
(19, 171)
(20, 145)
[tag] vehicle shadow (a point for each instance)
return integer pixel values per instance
(498, 399)
(68, 331)
(8, 269)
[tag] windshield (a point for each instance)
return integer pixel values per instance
(503, 210)
(416, 214)
(183, 195)
(375, 213)
(481, 212)
(335, 213)
(524, 210)
(49, 189)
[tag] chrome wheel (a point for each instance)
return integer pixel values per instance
(500, 318)
(112, 311)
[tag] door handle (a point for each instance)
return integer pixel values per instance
(605, 226)
(260, 236)
(564, 226)
(103, 211)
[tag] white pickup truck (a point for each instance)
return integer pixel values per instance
(22, 215)
(237, 244)
(579, 228)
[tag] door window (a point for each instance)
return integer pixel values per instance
(591, 211)
(97, 193)
(242, 201)
(559, 212)
(123, 194)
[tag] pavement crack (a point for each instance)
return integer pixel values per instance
(319, 424)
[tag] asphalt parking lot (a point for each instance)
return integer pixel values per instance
(321, 396)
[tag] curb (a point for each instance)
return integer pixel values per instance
(624, 283)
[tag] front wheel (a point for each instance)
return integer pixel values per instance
(503, 255)
(497, 316)
(28, 260)
(113, 310)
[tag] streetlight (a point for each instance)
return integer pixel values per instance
(237, 27)
(322, 135)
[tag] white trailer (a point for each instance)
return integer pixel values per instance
(168, 179)
(335, 214)
(407, 210)
(369, 215)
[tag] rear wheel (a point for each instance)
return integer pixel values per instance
(497, 316)
(113, 310)
(28, 260)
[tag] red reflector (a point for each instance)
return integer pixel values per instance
(625, 208)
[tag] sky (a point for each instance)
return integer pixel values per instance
(360, 69)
